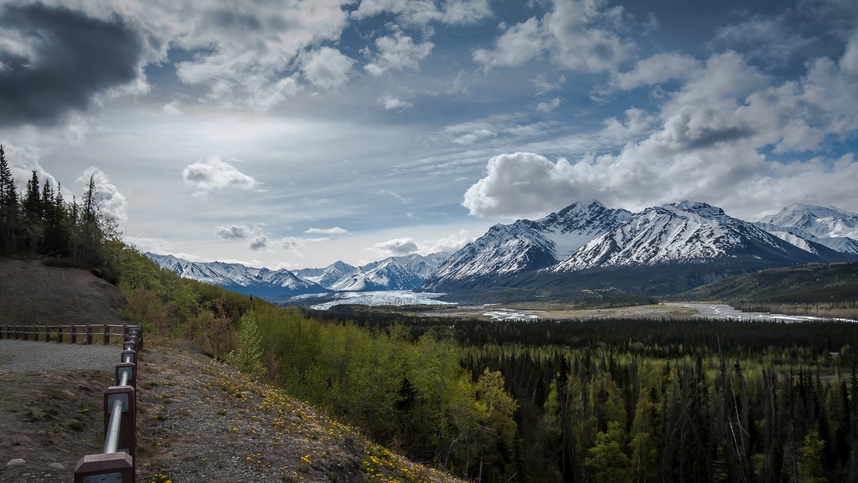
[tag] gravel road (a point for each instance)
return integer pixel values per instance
(32, 356)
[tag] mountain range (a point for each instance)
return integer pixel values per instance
(586, 246)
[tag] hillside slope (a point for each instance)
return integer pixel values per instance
(809, 284)
(198, 420)
(34, 292)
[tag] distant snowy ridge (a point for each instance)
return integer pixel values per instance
(394, 273)
(239, 278)
(829, 226)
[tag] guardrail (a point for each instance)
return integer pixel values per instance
(116, 462)
(66, 333)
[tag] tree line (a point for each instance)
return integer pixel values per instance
(39, 221)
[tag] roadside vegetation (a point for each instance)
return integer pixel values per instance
(608, 400)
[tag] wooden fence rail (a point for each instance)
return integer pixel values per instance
(73, 333)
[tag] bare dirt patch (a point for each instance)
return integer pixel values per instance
(33, 293)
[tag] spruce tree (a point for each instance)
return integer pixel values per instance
(8, 204)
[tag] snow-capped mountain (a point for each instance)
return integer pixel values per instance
(326, 276)
(589, 235)
(819, 221)
(394, 273)
(835, 228)
(528, 245)
(262, 282)
(688, 232)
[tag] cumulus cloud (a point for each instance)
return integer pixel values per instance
(254, 235)
(579, 35)
(215, 174)
(110, 201)
(397, 52)
(521, 184)
(708, 142)
(396, 248)
(327, 68)
(50, 68)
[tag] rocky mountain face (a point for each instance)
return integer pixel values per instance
(526, 246)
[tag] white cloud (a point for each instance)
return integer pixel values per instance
(544, 86)
(517, 45)
(391, 103)
(396, 248)
(549, 105)
(449, 243)
(579, 35)
(327, 231)
(216, 174)
(475, 136)
(110, 201)
(706, 143)
(521, 184)
(233, 232)
(327, 68)
(255, 235)
(655, 70)
(172, 108)
(766, 39)
(249, 48)
(424, 12)
(397, 52)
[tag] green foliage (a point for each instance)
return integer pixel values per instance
(248, 359)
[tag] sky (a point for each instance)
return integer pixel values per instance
(291, 134)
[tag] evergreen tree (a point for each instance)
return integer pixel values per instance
(8, 205)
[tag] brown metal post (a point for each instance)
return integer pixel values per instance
(106, 339)
(111, 466)
(73, 334)
(59, 334)
(129, 367)
(88, 334)
(128, 426)
(47, 333)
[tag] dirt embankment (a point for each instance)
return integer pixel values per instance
(32, 292)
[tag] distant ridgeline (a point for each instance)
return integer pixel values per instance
(585, 251)
(38, 221)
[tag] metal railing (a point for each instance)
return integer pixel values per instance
(117, 461)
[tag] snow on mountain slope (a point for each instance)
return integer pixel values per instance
(819, 221)
(325, 276)
(528, 245)
(394, 273)
(237, 277)
(829, 226)
(683, 232)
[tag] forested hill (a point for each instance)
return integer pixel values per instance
(835, 283)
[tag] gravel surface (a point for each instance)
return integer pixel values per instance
(30, 356)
